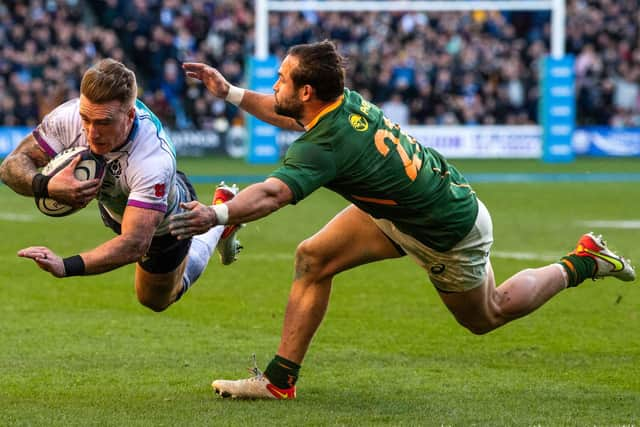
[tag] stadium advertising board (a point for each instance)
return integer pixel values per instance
(481, 141)
(10, 137)
(606, 142)
(197, 142)
(468, 141)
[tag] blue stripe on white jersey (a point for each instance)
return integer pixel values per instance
(162, 134)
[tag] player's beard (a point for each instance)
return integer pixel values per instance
(291, 107)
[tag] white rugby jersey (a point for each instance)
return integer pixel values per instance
(141, 173)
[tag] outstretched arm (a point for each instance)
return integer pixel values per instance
(138, 227)
(254, 202)
(257, 104)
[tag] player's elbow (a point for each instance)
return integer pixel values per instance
(138, 252)
(136, 249)
(3, 171)
(276, 193)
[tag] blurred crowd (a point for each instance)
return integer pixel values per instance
(422, 68)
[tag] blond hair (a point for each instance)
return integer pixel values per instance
(109, 80)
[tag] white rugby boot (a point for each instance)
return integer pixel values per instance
(256, 387)
(228, 247)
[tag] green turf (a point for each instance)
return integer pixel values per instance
(82, 351)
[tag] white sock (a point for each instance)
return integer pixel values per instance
(210, 238)
(202, 247)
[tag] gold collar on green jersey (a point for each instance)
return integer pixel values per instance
(324, 112)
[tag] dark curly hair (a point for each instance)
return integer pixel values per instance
(320, 66)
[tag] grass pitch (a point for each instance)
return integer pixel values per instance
(82, 351)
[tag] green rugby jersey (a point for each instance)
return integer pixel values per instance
(352, 149)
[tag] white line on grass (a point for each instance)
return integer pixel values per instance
(626, 224)
(524, 256)
(17, 217)
(84, 215)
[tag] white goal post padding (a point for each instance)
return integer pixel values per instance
(263, 7)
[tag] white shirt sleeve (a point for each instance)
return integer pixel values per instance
(60, 129)
(150, 186)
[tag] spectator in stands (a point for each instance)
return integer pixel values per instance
(404, 52)
(396, 110)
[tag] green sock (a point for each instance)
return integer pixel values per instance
(281, 372)
(578, 268)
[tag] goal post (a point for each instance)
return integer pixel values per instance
(557, 101)
(263, 7)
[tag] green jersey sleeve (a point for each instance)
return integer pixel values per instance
(307, 166)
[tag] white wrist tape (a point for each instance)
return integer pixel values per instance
(235, 95)
(222, 213)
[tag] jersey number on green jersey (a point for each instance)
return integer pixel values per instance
(391, 136)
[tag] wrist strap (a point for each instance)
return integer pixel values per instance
(39, 186)
(73, 266)
(235, 95)
(222, 213)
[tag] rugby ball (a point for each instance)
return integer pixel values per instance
(90, 166)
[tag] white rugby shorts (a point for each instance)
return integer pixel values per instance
(463, 267)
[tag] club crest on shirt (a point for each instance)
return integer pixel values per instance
(115, 168)
(358, 122)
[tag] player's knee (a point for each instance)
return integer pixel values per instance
(480, 325)
(478, 328)
(153, 302)
(487, 316)
(310, 261)
(154, 305)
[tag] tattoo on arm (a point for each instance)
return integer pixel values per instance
(19, 168)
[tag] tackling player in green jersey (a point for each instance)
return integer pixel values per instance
(358, 153)
(405, 199)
